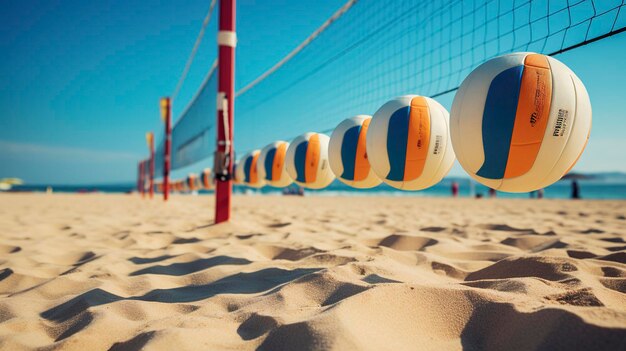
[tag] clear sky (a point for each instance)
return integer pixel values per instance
(80, 80)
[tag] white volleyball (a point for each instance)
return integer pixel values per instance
(207, 180)
(408, 143)
(520, 122)
(307, 161)
(347, 153)
(192, 182)
(247, 170)
(271, 164)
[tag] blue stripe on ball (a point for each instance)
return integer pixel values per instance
(498, 121)
(269, 163)
(300, 161)
(246, 169)
(397, 137)
(348, 151)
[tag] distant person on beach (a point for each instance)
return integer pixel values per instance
(455, 189)
(492, 192)
(536, 194)
(299, 191)
(575, 190)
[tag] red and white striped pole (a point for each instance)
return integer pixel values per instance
(227, 40)
(166, 114)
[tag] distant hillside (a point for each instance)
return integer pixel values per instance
(603, 177)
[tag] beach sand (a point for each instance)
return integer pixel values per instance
(97, 272)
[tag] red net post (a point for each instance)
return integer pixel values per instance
(150, 140)
(227, 40)
(166, 114)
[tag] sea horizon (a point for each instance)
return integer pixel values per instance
(599, 186)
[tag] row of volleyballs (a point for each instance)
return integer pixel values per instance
(518, 123)
(191, 183)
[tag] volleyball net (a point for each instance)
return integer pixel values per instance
(379, 49)
(368, 52)
(193, 134)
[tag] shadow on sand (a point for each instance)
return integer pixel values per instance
(179, 269)
(240, 283)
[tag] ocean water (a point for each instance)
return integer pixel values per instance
(589, 189)
(560, 190)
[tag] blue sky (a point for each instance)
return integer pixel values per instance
(80, 80)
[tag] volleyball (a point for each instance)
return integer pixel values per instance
(247, 171)
(206, 179)
(347, 153)
(272, 164)
(520, 122)
(235, 176)
(307, 161)
(408, 144)
(192, 182)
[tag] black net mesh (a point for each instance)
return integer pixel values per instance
(380, 49)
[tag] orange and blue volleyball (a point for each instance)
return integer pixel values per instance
(272, 164)
(347, 153)
(234, 176)
(408, 143)
(248, 170)
(307, 161)
(520, 122)
(206, 180)
(192, 182)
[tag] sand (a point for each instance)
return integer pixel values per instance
(97, 272)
